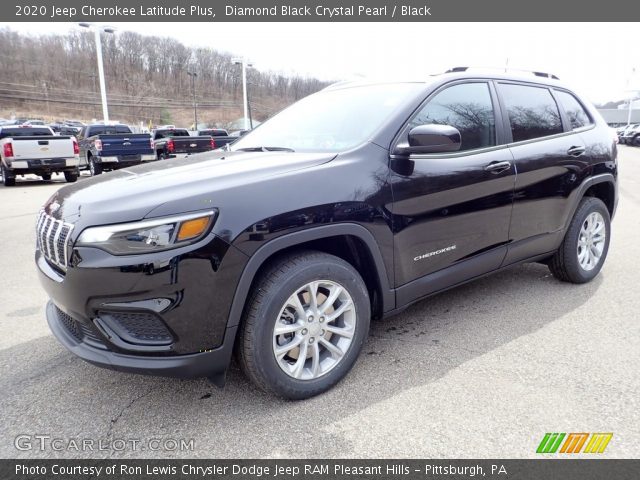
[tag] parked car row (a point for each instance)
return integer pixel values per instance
(72, 147)
(629, 134)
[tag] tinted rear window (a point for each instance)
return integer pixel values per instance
(171, 133)
(533, 112)
(214, 133)
(25, 132)
(108, 130)
(578, 117)
(179, 133)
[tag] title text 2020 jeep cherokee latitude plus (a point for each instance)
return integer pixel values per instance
(349, 205)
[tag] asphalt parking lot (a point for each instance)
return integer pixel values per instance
(484, 370)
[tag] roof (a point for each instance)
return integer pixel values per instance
(476, 73)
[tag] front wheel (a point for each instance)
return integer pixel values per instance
(305, 325)
(586, 243)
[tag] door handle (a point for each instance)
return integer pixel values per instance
(576, 151)
(498, 167)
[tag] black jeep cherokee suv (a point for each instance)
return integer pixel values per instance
(349, 205)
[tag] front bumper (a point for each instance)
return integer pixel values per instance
(164, 313)
(212, 363)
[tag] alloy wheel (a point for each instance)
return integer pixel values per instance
(591, 241)
(314, 330)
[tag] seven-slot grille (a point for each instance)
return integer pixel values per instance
(52, 236)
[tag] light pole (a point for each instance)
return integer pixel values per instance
(243, 61)
(193, 76)
(633, 71)
(97, 30)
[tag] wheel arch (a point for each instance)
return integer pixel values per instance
(602, 186)
(605, 191)
(351, 242)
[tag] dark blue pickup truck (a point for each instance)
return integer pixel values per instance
(110, 147)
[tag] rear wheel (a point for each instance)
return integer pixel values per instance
(46, 177)
(7, 179)
(71, 176)
(94, 167)
(306, 322)
(586, 243)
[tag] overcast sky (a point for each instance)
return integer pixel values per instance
(596, 59)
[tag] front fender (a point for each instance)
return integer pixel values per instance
(283, 242)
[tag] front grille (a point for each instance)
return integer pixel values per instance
(138, 328)
(52, 237)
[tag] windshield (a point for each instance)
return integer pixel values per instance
(331, 120)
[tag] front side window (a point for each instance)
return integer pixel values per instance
(532, 111)
(468, 108)
(576, 113)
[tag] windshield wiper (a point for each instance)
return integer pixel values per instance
(265, 149)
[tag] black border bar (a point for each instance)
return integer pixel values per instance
(319, 11)
(121, 469)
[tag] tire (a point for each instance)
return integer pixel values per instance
(580, 264)
(636, 141)
(71, 176)
(7, 180)
(46, 177)
(94, 167)
(270, 305)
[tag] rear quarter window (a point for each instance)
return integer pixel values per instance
(578, 117)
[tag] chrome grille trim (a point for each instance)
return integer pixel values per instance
(55, 243)
(52, 239)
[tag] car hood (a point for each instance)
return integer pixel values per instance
(167, 187)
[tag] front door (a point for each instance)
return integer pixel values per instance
(452, 211)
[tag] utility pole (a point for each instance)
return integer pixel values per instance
(46, 96)
(249, 111)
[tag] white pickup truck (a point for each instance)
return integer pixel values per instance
(36, 150)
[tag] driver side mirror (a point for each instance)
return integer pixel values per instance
(431, 138)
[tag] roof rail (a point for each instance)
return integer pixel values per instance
(537, 74)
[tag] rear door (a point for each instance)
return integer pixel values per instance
(551, 161)
(452, 211)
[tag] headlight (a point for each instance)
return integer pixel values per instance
(148, 235)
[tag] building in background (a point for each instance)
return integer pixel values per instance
(617, 117)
